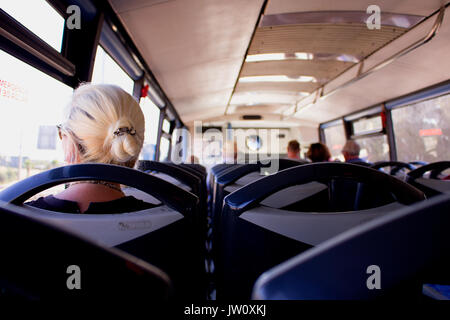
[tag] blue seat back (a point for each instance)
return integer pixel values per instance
(36, 256)
(408, 247)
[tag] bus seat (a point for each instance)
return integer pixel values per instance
(363, 163)
(189, 180)
(254, 237)
(233, 178)
(432, 185)
(240, 175)
(397, 167)
(36, 255)
(409, 246)
(138, 194)
(171, 173)
(195, 166)
(164, 236)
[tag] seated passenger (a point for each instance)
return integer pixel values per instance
(104, 124)
(318, 152)
(293, 150)
(351, 152)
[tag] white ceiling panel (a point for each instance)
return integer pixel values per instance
(252, 98)
(195, 48)
(212, 100)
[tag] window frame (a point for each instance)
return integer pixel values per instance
(377, 110)
(24, 45)
(75, 63)
(428, 93)
(385, 108)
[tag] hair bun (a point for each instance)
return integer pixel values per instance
(124, 145)
(124, 130)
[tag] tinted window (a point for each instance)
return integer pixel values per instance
(106, 70)
(38, 17)
(164, 149)
(151, 115)
(422, 130)
(367, 125)
(335, 139)
(374, 148)
(166, 126)
(31, 105)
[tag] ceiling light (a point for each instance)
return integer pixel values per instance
(265, 57)
(304, 56)
(277, 78)
(279, 56)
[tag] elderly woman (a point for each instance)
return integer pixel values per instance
(104, 124)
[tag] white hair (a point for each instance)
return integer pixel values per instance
(106, 124)
(351, 147)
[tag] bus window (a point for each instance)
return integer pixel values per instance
(31, 105)
(335, 139)
(164, 149)
(166, 126)
(106, 70)
(367, 125)
(373, 149)
(422, 130)
(38, 17)
(151, 115)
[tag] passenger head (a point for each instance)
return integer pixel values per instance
(293, 149)
(318, 152)
(350, 150)
(104, 124)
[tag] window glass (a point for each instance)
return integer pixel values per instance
(38, 17)
(374, 148)
(422, 130)
(367, 125)
(335, 139)
(164, 149)
(106, 70)
(166, 126)
(151, 115)
(31, 105)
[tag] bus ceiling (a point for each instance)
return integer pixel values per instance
(222, 59)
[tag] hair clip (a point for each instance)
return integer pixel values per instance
(123, 130)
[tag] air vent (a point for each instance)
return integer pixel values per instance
(251, 117)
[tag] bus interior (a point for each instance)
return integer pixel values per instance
(229, 91)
